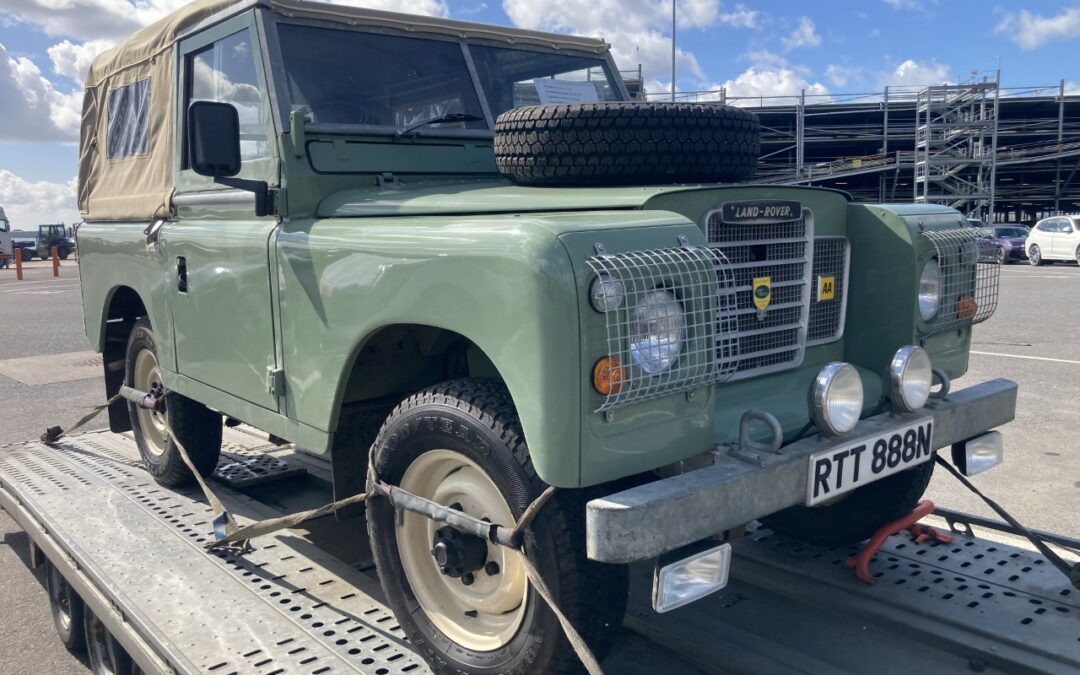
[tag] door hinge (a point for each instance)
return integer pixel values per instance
(275, 381)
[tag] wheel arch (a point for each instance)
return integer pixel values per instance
(387, 365)
(122, 306)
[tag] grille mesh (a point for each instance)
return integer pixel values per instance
(775, 339)
(701, 280)
(969, 278)
(831, 255)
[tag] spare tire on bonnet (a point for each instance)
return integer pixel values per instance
(626, 144)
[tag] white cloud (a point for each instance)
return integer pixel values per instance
(1031, 31)
(28, 203)
(73, 60)
(840, 76)
(33, 108)
(638, 30)
(912, 72)
(740, 17)
(804, 35)
(904, 4)
(771, 75)
(1072, 88)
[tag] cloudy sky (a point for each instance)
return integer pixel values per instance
(750, 48)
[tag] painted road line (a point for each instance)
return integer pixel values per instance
(1040, 276)
(43, 281)
(1030, 358)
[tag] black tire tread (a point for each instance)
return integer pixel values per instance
(626, 143)
(591, 595)
(858, 515)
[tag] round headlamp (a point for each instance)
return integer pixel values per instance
(657, 331)
(930, 290)
(836, 398)
(606, 293)
(910, 378)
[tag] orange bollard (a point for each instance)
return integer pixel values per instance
(18, 264)
(55, 262)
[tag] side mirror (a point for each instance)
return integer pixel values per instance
(213, 148)
(213, 135)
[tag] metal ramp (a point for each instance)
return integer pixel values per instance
(285, 608)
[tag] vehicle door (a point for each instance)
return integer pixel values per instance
(217, 250)
(1043, 237)
(1058, 230)
(1066, 239)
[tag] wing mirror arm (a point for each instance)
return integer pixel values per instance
(263, 202)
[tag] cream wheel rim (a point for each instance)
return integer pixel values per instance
(152, 423)
(486, 614)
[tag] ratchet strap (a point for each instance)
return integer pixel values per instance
(53, 434)
(228, 534)
(1071, 571)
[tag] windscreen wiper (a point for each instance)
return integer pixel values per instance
(440, 119)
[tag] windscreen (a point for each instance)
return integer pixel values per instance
(515, 77)
(1010, 232)
(351, 77)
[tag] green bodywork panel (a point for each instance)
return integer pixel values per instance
(384, 252)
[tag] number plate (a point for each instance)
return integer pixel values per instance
(842, 469)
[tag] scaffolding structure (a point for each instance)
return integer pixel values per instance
(956, 146)
(1001, 154)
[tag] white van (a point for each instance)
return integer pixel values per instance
(5, 240)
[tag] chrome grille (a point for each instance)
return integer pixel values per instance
(776, 339)
(831, 261)
(702, 281)
(969, 277)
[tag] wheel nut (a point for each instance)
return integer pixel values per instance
(491, 568)
(468, 578)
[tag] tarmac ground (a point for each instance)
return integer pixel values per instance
(49, 375)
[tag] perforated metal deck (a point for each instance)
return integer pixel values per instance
(285, 608)
(972, 605)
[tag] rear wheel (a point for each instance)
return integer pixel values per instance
(104, 654)
(466, 604)
(67, 609)
(63, 253)
(198, 427)
(1035, 255)
(27, 254)
(856, 515)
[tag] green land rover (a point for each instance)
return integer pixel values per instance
(458, 260)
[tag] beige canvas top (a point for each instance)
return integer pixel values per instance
(139, 186)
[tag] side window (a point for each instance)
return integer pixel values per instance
(128, 120)
(4, 226)
(225, 72)
(1046, 226)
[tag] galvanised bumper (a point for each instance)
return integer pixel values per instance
(650, 519)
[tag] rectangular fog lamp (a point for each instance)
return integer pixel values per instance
(684, 581)
(978, 454)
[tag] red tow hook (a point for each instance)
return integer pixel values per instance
(919, 533)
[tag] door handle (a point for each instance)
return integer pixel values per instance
(181, 274)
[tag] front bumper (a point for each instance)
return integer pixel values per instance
(650, 519)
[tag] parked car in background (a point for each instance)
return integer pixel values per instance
(56, 236)
(1009, 242)
(1055, 238)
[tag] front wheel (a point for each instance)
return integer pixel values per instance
(27, 254)
(198, 427)
(1035, 256)
(464, 603)
(63, 253)
(855, 516)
